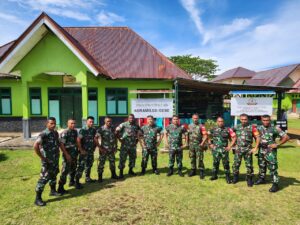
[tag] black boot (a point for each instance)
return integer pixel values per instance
(72, 182)
(155, 171)
(235, 178)
(250, 181)
(201, 174)
(192, 173)
(274, 188)
(180, 173)
(78, 185)
(53, 192)
(38, 199)
(143, 171)
(260, 181)
(130, 172)
(61, 189)
(114, 175)
(121, 174)
(100, 177)
(88, 178)
(170, 173)
(228, 179)
(214, 176)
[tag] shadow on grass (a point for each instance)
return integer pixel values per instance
(3, 157)
(285, 182)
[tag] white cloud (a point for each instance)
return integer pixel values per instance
(109, 18)
(12, 18)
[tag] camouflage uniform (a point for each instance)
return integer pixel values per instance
(245, 135)
(68, 138)
(150, 139)
(85, 162)
(195, 132)
(109, 144)
(129, 136)
(220, 137)
(267, 157)
(175, 144)
(49, 141)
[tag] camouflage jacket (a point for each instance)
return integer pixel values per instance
(221, 135)
(245, 135)
(108, 137)
(150, 135)
(49, 141)
(269, 134)
(175, 136)
(129, 133)
(196, 132)
(87, 136)
(69, 137)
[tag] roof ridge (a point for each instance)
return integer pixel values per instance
(101, 27)
(295, 64)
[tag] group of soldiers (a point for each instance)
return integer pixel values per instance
(78, 150)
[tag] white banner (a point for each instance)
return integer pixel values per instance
(251, 106)
(158, 107)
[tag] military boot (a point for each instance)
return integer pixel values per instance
(214, 176)
(155, 171)
(61, 189)
(38, 199)
(72, 182)
(143, 171)
(170, 173)
(180, 173)
(131, 172)
(250, 181)
(114, 175)
(228, 179)
(192, 173)
(53, 191)
(121, 174)
(235, 178)
(100, 177)
(260, 181)
(88, 178)
(274, 188)
(78, 185)
(201, 174)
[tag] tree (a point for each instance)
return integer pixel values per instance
(197, 68)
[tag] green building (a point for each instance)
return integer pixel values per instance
(76, 72)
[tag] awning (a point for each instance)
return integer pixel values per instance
(252, 92)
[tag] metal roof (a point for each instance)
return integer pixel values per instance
(239, 72)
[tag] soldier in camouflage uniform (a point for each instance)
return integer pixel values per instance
(197, 136)
(267, 154)
(218, 142)
(245, 134)
(87, 142)
(174, 133)
(47, 148)
(150, 144)
(107, 148)
(129, 135)
(69, 139)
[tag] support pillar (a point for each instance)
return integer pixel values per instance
(25, 110)
(84, 92)
(176, 96)
(279, 101)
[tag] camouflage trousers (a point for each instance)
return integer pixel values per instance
(110, 155)
(145, 157)
(267, 158)
(85, 163)
(68, 168)
(127, 150)
(175, 154)
(196, 154)
(48, 173)
(218, 155)
(240, 153)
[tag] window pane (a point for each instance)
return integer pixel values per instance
(92, 110)
(122, 107)
(54, 110)
(111, 107)
(5, 105)
(35, 106)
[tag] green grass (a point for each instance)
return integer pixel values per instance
(151, 199)
(294, 123)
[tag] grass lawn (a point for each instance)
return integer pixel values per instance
(151, 199)
(294, 124)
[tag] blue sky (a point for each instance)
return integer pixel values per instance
(256, 34)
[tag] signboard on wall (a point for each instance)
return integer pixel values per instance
(251, 106)
(158, 107)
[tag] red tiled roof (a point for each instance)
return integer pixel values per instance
(238, 72)
(116, 52)
(272, 77)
